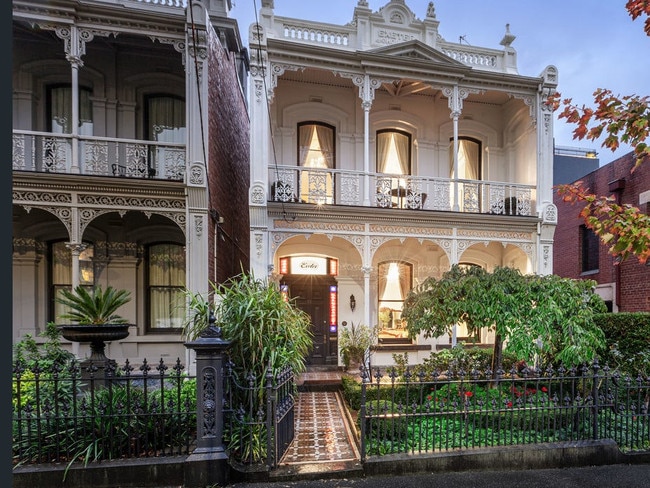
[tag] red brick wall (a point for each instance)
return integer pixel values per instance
(228, 164)
(632, 278)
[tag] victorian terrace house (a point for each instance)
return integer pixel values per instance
(130, 160)
(381, 154)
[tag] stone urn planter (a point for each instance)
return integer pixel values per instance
(97, 336)
(96, 321)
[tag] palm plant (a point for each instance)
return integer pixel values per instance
(96, 307)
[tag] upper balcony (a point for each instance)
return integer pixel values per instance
(289, 184)
(97, 156)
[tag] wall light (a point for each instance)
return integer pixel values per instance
(353, 303)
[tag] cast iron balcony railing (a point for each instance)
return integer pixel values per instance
(97, 156)
(296, 184)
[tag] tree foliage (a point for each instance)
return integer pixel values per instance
(622, 119)
(623, 227)
(547, 316)
(265, 329)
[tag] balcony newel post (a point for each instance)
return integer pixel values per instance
(366, 153)
(208, 463)
(74, 168)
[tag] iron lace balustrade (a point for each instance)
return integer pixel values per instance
(298, 184)
(98, 156)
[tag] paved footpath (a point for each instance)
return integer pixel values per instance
(615, 476)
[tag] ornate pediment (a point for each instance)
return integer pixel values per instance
(415, 49)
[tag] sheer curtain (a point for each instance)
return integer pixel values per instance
(402, 145)
(166, 281)
(468, 160)
(326, 142)
(393, 153)
(383, 145)
(305, 135)
(61, 110)
(166, 119)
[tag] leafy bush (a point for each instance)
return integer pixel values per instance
(461, 357)
(267, 334)
(628, 341)
(57, 417)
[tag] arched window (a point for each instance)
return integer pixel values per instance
(393, 152)
(316, 149)
(60, 272)
(165, 286)
(394, 283)
(469, 159)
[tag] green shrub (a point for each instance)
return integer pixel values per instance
(461, 357)
(628, 342)
(386, 420)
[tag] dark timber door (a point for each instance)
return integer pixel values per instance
(311, 294)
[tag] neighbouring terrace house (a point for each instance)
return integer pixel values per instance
(623, 284)
(130, 160)
(381, 154)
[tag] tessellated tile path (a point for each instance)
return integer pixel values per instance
(322, 432)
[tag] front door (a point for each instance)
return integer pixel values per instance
(311, 294)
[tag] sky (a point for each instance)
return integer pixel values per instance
(593, 43)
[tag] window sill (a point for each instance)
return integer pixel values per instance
(401, 347)
(590, 272)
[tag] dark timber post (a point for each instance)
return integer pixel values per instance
(208, 464)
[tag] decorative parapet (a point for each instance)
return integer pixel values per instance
(348, 38)
(316, 33)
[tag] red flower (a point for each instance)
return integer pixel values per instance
(469, 394)
(509, 404)
(544, 389)
(429, 397)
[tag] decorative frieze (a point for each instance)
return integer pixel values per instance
(409, 230)
(319, 226)
(494, 235)
(25, 245)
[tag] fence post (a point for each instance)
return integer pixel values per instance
(365, 377)
(208, 463)
(594, 394)
(271, 434)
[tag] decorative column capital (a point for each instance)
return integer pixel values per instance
(76, 247)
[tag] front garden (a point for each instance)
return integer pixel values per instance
(422, 411)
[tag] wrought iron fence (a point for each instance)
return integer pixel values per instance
(65, 413)
(420, 412)
(259, 415)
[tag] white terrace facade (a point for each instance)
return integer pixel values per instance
(110, 186)
(382, 154)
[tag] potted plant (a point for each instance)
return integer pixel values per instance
(354, 341)
(94, 316)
